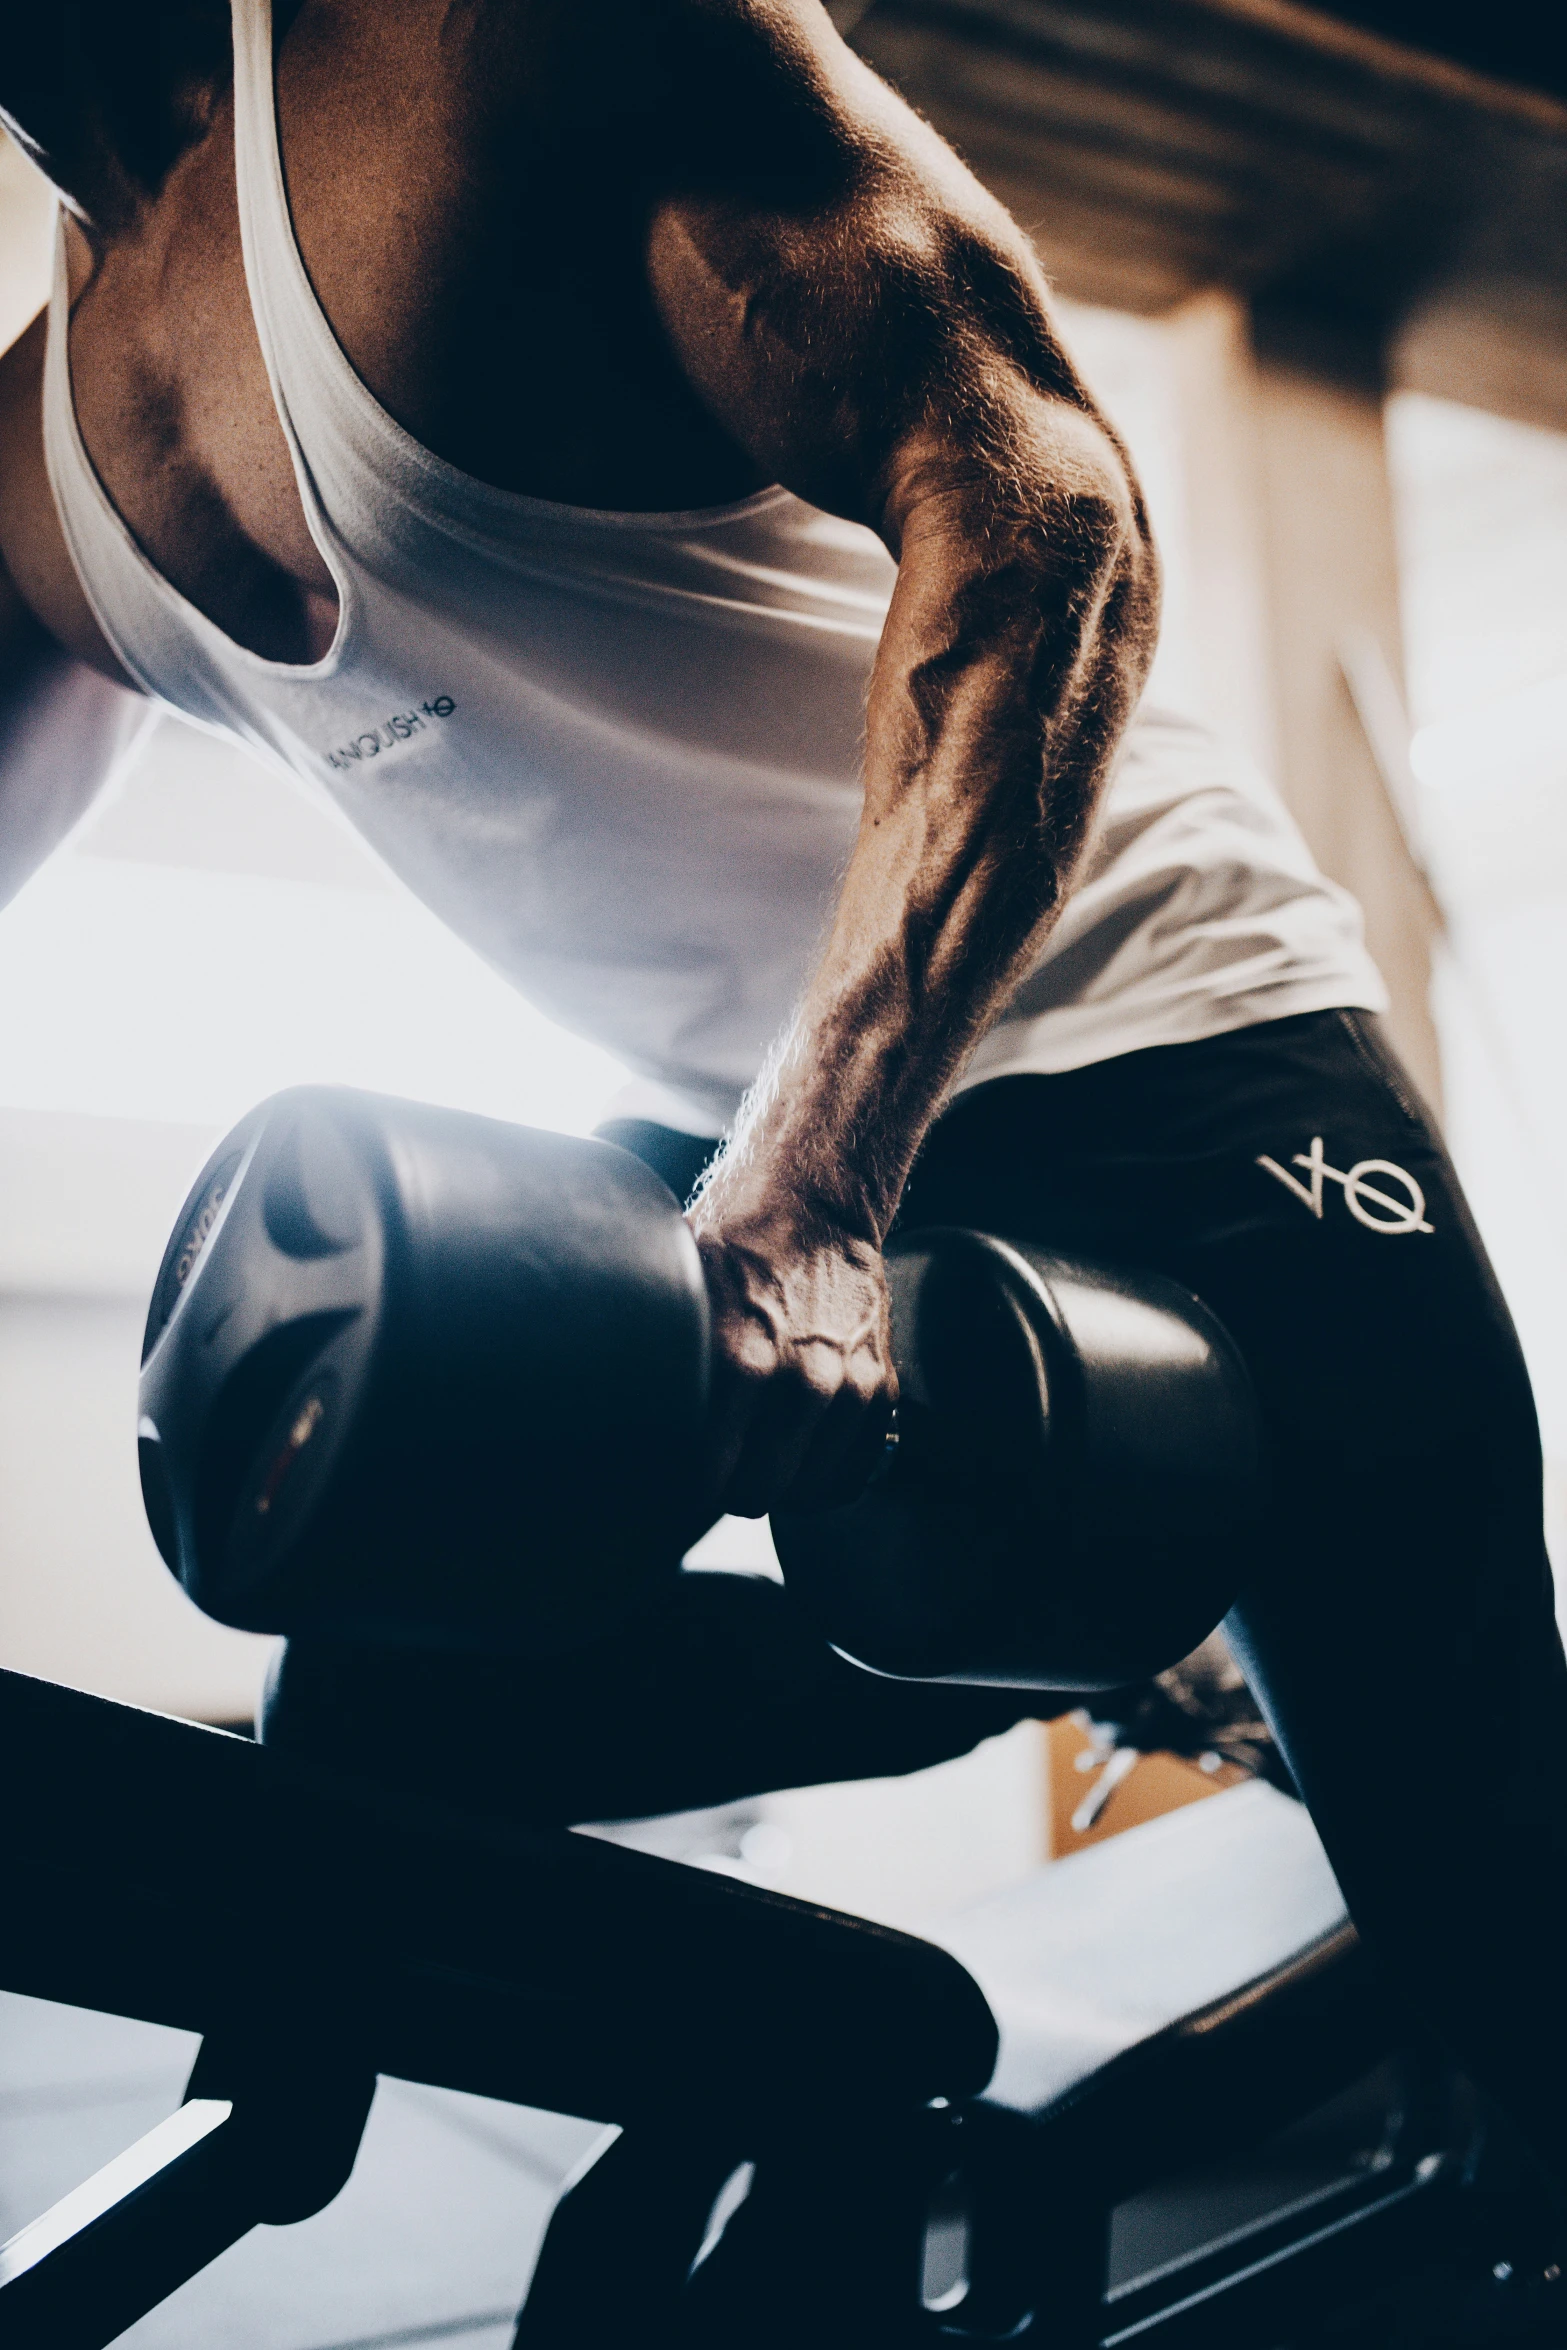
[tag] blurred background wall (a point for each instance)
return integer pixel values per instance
(1318, 278)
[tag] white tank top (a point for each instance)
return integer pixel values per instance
(620, 753)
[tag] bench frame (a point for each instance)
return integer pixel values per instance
(555, 1970)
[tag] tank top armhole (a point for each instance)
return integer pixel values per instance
(83, 507)
(268, 243)
(315, 382)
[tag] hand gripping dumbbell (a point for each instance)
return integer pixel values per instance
(416, 1376)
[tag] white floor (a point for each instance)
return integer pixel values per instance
(432, 2241)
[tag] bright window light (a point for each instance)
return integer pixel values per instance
(1508, 744)
(157, 992)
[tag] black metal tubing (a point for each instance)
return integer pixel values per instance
(116, 2246)
(1041, 2186)
(1245, 2249)
(622, 2240)
(1038, 2233)
(317, 1931)
(1039, 2239)
(827, 2249)
(1284, 2274)
(268, 2131)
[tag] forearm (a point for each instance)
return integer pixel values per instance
(1014, 651)
(63, 728)
(867, 323)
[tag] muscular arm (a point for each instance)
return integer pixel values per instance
(875, 330)
(64, 720)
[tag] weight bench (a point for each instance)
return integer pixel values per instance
(1177, 1993)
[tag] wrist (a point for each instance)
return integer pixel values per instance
(800, 1195)
(827, 1135)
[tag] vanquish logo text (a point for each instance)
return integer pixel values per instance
(401, 727)
(1371, 1204)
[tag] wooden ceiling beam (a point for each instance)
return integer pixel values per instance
(1156, 147)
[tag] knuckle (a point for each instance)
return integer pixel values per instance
(748, 1351)
(817, 1378)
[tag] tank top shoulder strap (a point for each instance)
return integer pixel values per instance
(316, 392)
(351, 458)
(120, 585)
(172, 651)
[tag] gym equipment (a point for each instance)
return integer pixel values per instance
(424, 1376)
(417, 1376)
(913, 2143)
(903, 2193)
(1077, 1471)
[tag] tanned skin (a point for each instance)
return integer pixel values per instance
(652, 254)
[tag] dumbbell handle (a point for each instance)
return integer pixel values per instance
(1070, 1479)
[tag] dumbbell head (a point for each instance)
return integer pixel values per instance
(1077, 1479)
(418, 1376)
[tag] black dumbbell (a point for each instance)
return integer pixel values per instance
(423, 1377)
(416, 1376)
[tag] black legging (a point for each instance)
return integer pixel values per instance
(1402, 1592)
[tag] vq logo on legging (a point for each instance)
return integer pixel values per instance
(1378, 1210)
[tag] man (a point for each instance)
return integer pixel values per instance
(413, 405)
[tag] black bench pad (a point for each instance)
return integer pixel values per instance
(1170, 1994)
(161, 1870)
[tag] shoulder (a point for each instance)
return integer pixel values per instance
(37, 576)
(682, 84)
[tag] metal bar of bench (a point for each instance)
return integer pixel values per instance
(269, 2130)
(118, 2244)
(1381, 2235)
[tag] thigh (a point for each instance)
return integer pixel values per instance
(1397, 1618)
(1290, 1177)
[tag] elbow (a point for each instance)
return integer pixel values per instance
(1030, 501)
(1022, 532)
(1095, 517)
